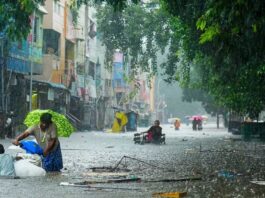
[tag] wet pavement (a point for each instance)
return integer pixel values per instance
(225, 164)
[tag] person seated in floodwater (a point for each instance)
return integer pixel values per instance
(155, 132)
(6, 163)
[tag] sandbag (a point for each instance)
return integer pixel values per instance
(24, 168)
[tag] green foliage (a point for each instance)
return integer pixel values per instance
(209, 34)
(64, 127)
(15, 17)
(74, 11)
(201, 23)
(118, 5)
(228, 38)
(138, 32)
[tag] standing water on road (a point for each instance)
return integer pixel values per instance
(207, 155)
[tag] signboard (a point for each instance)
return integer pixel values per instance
(20, 55)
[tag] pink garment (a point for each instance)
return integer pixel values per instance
(149, 136)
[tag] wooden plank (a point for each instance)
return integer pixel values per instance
(262, 183)
(175, 180)
(95, 187)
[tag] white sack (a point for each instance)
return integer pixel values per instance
(32, 158)
(24, 168)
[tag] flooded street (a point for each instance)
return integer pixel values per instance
(223, 164)
(70, 69)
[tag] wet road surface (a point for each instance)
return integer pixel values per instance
(225, 164)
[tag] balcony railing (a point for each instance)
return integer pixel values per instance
(79, 34)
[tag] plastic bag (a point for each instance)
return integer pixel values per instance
(31, 147)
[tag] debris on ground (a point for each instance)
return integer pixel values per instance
(9, 177)
(258, 182)
(125, 180)
(89, 187)
(227, 174)
(170, 194)
(106, 174)
(108, 169)
(175, 180)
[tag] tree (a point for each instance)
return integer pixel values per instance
(15, 17)
(138, 32)
(15, 14)
(230, 37)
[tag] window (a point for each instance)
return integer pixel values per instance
(56, 7)
(51, 42)
(91, 71)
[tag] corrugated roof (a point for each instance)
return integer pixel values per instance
(51, 84)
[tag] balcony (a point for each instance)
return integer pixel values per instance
(22, 66)
(21, 58)
(79, 34)
(55, 18)
(75, 33)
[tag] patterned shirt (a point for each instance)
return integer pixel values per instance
(43, 137)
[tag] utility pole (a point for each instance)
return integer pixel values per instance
(31, 61)
(2, 111)
(87, 115)
(2, 76)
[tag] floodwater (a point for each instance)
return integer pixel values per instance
(224, 164)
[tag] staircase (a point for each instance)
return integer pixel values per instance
(74, 121)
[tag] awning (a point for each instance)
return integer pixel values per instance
(57, 85)
(42, 9)
(50, 84)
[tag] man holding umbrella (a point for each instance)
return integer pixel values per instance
(47, 137)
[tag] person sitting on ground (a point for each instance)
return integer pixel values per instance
(46, 136)
(6, 163)
(155, 132)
